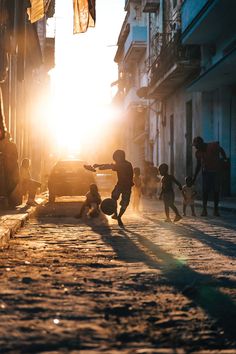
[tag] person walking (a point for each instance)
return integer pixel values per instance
(167, 192)
(208, 160)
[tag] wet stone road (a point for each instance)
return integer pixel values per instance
(87, 286)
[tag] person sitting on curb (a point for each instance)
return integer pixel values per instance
(28, 185)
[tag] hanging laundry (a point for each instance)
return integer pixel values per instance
(84, 15)
(36, 11)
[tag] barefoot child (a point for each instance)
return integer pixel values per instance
(189, 194)
(92, 202)
(124, 183)
(167, 192)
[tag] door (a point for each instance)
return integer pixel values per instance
(189, 138)
(172, 167)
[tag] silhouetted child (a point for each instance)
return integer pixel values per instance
(167, 192)
(124, 183)
(92, 202)
(189, 194)
(137, 189)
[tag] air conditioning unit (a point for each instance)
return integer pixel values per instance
(150, 5)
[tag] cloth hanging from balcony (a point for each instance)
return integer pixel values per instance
(36, 11)
(84, 15)
(39, 8)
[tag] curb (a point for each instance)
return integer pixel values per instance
(11, 223)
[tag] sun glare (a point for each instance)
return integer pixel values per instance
(81, 113)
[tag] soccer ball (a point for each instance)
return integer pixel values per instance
(108, 206)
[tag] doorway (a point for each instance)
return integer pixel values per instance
(172, 167)
(189, 138)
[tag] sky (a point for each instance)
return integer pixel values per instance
(91, 52)
(85, 69)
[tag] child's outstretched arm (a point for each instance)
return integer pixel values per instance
(105, 166)
(90, 168)
(177, 183)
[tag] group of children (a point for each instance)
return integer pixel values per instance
(167, 192)
(127, 177)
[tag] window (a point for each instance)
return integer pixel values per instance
(174, 3)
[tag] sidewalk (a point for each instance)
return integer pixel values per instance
(12, 220)
(227, 204)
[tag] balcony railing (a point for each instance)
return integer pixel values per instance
(136, 43)
(150, 5)
(174, 63)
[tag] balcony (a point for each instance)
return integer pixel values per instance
(136, 43)
(174, 66)
(203, 20)
(150, 6)
(222, 73)
(127, 2)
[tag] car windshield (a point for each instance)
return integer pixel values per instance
(69, 166)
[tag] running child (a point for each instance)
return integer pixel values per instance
(167, 192)
(124, 183)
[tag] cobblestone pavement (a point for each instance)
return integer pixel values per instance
(87, 286)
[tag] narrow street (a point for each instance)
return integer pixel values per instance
(87, 286)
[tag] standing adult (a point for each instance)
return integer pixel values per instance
(11, 170)
(208, 160)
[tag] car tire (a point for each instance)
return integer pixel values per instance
(51, 198)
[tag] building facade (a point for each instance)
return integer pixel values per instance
(24, 77)
(131, 58)
(189, 86)
(212, 26)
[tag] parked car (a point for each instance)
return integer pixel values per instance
(69, 178)
(105, 181)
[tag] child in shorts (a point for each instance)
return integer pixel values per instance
(167, 192)
(124, 184)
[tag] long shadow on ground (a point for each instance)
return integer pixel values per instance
(225, 247)
(202, 289)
